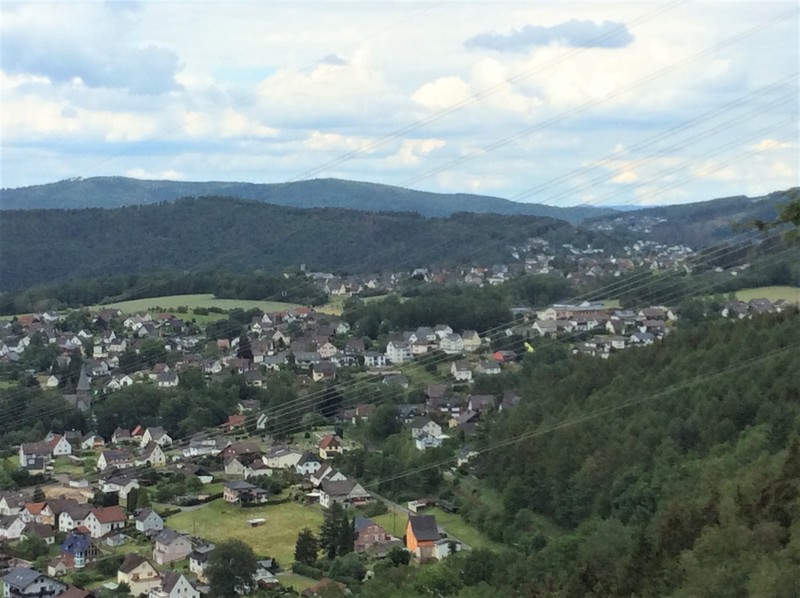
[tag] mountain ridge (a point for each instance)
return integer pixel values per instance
(112, 192)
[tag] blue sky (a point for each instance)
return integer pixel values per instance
(567, 103)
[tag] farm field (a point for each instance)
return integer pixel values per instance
(219, 521)
(772, 293)
(171, 302)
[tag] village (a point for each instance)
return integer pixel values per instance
(135, 496)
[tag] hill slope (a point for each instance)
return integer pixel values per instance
(696, 224)
(229, 234)
(112, 192)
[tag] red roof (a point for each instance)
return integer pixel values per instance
(235, 420)
(55, 440)
(110, 514)
(330, 441)
(137, 431)
(34, 508)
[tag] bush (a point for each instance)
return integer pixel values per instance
(374, 509)
(307, 570)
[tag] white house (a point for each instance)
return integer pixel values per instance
(308, 464)
(398, 352)
(460, 371)
(422, 426)
(452, 344)
(373, 359)
(21, 582)
(103, 520)
(426, 441)
(471, 340)
(174, 585)
(60, 446)
(157, 435)
(147, 520)
(152, 455)
(73, 516)
(11, 527)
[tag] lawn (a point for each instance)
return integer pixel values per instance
(68, 466)
(172, 302)
(8, 384)
(395, 524)
(298, 582)
(334, 306)
(772, 293)
(219, 521)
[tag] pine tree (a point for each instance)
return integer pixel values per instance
(306, 547)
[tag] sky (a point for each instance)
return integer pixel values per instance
(564, 103)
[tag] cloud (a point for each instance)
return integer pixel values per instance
(772, 144)
(88, 44)
(411, 150)
(334, 60)
(573, 33)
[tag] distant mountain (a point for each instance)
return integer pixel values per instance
(695, 224)
(113, 192)
(237, 235)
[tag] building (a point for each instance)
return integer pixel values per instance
(174, 585)
(23, 582)
(148, 521)
(243, 493)
(104, 520)
(422, 533)
(139, 573)
(330, 446)
(347, 491)
(170, 546)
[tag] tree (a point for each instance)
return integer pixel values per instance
(231, 569)
(244, 350)
(384, 422)
(39, 495)
(306, 547)
(399, 556)
(142, 499)
(132, 501)
(336, 532)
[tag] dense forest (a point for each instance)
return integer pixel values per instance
(671, 470)
(109, 289)
(215, 233)
(113, 192)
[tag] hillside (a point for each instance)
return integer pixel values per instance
(696, 224)
(236, 235)
(113, 192)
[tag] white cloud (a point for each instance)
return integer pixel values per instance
(412, 149)
(140, 173)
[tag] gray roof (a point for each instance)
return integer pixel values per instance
(21, 577)
(169, 580)
(132, 560)
(167, 536)
(424, 527)
(339, 487)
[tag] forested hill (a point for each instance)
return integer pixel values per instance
(235, 235)
(696, 224)
(112, 192)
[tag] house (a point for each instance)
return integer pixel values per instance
(91, 441)
(151, 455)
(345, 491)
(121, 435)
(170, 546)
(257, 469)
(471, 340)
(104, 520)
(174, 585)
(118, 459)
(504, 356)
(38, 530)
(243, 493)
(371, 538)
(121, 484)
(324, 370)
(398, 352)
(281, 457)
(148, 521)
(481, 403)
(78, 550)
(488, 368)
(198, 559)
(452, 344)
(373, 359)
(72, 517)
(308, 464)
(330, 446)
(460, 371)
(13, 502)
(31, 453)
(57, 568)
(464, 455)
(157, 435)
(422, 533)
(139, 573)
(426, 441)
(326, 472)
(22, 582)
(11, 527)
(422, 425)
(74, 592)
(39, 512)
(511, 398)
(60, 446)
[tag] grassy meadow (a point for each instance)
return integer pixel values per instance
(219, 521)
(772, 293)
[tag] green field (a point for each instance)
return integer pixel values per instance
(219, 521)
(298, 582)
(171, 302)
(8, 384)
(791, 294)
